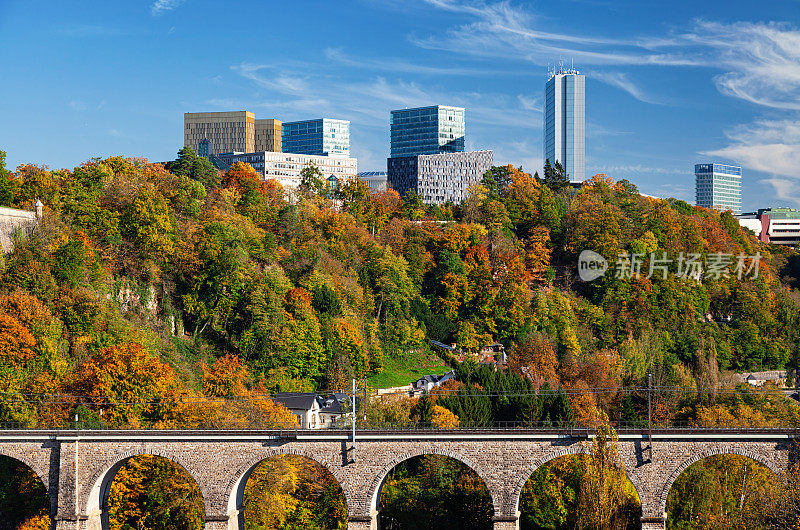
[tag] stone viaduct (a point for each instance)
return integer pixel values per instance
(77, 467)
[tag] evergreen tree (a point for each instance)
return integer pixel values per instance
(554, 176)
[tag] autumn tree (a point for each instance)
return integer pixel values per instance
(291, 491)
(128, 384)
(606, 499)
(535, 358)
(155, 493)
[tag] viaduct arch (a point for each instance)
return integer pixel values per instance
(76, 466)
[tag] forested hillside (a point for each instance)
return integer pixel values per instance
(146, 284)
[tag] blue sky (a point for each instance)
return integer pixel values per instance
(669, 84)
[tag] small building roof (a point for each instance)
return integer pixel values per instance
(296, 400)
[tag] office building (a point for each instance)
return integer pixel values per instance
(439, 178)
(268, 135)
(426, 131)
(286, 167)
(565, 122)
(212, 133)
(780, 226)
(375, 179)
(323, 137)
(719, 186)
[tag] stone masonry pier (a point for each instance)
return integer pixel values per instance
(77, 467)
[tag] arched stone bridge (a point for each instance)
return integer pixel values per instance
(77, 467)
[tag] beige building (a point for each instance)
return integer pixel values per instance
(268, 135)
(212, 133)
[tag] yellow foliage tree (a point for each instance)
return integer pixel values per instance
(443, 418)
(606, 498)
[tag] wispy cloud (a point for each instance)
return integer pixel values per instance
(371, 99)
(771, 147)
(398, 66)
(621, 80)
(758, 62)
(367, 103)
(162, 6)
(762, 61)
(84, 30)
(632, 169)
(504, 31)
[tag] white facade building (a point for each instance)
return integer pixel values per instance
(780, 226)
(286, 167)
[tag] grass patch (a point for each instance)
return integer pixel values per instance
(401, 370)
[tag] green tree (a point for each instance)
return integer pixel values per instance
(311, 181)
(198, 168)
(6, 184)
(554, 176)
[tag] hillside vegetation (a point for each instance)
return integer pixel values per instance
(145, 285)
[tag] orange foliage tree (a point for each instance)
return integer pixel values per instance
(128, 384)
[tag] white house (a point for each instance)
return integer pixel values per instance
(313, 411)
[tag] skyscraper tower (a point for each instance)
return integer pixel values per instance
(719, 186)
(565, 121)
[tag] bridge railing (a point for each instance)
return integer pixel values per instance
(292, 428)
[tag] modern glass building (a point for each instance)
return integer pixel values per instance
(719, 186)
(426, 131)
(323, 137)
(565, 122)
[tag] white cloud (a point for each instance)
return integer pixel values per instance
(367, 102)
(529, 103)
(771, 147)
(620, 80)
(632, 169)
(396, 65)
(162, 6)
(758, 62)
(762, 61)
(370, 100)
(507, 32)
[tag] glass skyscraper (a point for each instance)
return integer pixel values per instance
(719, 186)
(324, 136)
(565, 122)
(426, 131)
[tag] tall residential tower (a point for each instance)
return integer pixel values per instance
(565, 122)
(426, 131)
(719, 186)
